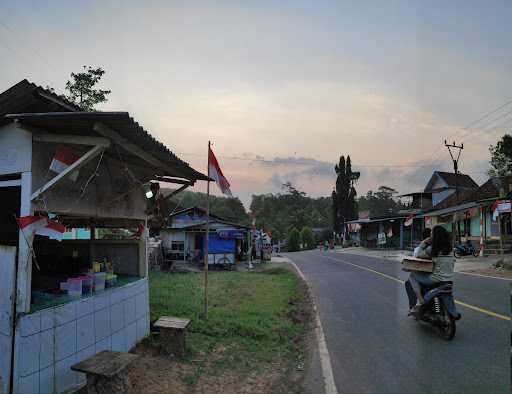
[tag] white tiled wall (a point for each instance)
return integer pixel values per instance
(50, 341)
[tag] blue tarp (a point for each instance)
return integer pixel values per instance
(221, 245)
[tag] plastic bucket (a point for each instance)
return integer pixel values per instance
(75, 287)
(99, 280)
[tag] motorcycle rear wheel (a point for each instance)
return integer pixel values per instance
(476, 253)
(456, 254)
(447, 332)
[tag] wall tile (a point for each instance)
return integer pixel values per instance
(46, 380)
(28, 352)
(65, 340)
(30, 384)
(46, 356)
(101, 324)
(129, 311)
(66, 313)
(140, 306)
(81, 378)
(117, 295)
(116, 317)
(104, 344)
(141, 329)
(66, 378)
(48, 319)
(85, 306)
(131, 336)
(30, 324)
(119, 341)
(101, 300)
(85, 332)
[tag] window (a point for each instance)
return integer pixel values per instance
(178, 246)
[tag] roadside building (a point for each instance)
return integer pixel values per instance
(183, 239)
(106, 162)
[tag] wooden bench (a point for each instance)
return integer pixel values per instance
(172, 334)
(106, 372)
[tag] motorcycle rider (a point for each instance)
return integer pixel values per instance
(443, 268)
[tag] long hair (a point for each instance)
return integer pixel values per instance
(441, 241)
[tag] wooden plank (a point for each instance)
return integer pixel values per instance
(73, 167)
(24, 275)
(172, 322)
(72, 139)
(14, 182)
(105, 364)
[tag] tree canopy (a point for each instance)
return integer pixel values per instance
(344, 204)
(294, 240)
(292, 209)
(381, 202)
(501, 157)
(82, 90)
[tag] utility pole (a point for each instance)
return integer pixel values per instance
(455, 162)
(456, 171)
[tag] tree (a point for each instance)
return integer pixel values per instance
(307, 238)
(501, 157)
(294, 240)
(379, 203)
(344, 196)
(81, 88)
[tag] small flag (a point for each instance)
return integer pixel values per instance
(217, 175)
(428, 221)
(52, 230)
(390, 232)
(409, 221)
(30, 224)
(63, 159)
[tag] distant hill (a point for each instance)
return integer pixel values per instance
(230, 209)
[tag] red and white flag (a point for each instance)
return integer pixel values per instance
(30, 224)
(40, 225)
(409, 221)
(63, 159)
(217, 175)
(52, 230)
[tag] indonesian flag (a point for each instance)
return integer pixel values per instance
(52, 230)
(63, 159)
(30, 224)
(216, 173)
(409, 221)
(40, 225)
(428, 221)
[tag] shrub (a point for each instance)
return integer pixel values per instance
(294, 240)
(307, 238)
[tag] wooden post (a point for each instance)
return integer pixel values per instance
(482, 231)
(500, 231)
(207, 238)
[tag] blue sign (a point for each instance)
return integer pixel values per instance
(231, 234)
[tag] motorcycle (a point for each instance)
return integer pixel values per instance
(466, 249)
(439, 309)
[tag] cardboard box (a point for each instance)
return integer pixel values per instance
(415, 264)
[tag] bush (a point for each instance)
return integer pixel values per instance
(307, 238)
(294, 240)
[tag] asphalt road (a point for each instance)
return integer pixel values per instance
(375, 348)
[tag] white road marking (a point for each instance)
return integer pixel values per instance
(325, 359)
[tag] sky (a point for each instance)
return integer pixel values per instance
(283, 89)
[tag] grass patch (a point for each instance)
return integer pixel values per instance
(254, 318)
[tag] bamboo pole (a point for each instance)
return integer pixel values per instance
(207, 238)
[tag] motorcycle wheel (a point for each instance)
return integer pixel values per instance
(476, 253)
(447, 332)
(456, 254)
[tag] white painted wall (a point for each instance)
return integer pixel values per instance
(49, 342)
(15, 149)
(7, 271)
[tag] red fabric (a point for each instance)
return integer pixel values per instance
(64, 155)
(216, 173)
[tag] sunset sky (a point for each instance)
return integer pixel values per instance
(282, 90)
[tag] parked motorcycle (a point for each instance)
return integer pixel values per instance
(465, 249)
(439, 309)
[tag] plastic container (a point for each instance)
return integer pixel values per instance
(99, 280)
(75, 287)
(87, 284)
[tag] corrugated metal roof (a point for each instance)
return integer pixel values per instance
(82, 123)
